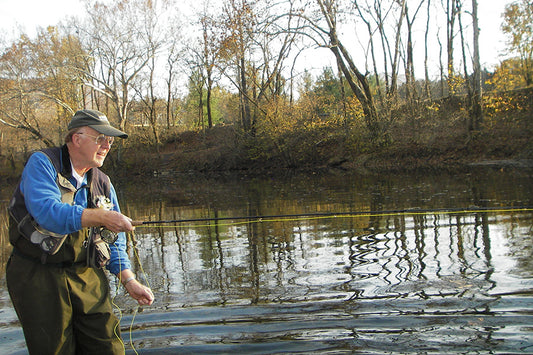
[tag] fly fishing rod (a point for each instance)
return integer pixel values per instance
(412, 211)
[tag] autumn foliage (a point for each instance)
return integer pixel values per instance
(233, 96)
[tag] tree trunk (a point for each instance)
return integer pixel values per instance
(361, 87)
(208, 102)
(477, 103)
(394, 71)
(451, 12)
(426, 69)
(245, 105)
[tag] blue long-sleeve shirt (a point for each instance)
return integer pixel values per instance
(43, 202)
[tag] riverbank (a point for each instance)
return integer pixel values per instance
(222, 150)
(426, 137)
(431, 135)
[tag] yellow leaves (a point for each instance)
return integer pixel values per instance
(509, 75)
(495, 104)
(456, 84)
(433, 107)
(311, 113)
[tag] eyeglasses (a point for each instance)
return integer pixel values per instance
(100, 139)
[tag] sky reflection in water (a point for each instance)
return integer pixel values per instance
(431, 282)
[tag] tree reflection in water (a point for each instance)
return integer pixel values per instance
(422, 282)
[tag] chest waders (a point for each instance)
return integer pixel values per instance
(63, 305)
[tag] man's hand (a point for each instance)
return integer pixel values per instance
(142, 294)
(117, 222)
(112, 220)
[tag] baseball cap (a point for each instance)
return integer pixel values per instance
(97, 121)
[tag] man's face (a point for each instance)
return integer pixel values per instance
(92, 147)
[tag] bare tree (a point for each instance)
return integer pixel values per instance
(451, 10)
(358, 82)
(410, 78)
(275, 42)
(477, 103)
(426, 46)
(239, 22)
(153, 38)
(174, 55)
(395, 59)
(207, 58)
(362, 12)
(115, 54)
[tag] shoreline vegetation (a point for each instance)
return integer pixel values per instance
(417, 139)
(425, 136)
(240, 95)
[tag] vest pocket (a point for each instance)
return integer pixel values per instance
(98, 251)
(47, 241)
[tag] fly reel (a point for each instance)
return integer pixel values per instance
(108, 236)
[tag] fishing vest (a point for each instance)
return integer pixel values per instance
(30, 239)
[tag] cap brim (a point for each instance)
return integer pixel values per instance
(109, 131)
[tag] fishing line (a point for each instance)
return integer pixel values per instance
(138, 259)
(293, 217)
(325, 215)
(120, 314)
(131, 331)
(145, 279)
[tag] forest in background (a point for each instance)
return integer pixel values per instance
(223, 88)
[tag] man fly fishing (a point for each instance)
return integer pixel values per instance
(59, 212)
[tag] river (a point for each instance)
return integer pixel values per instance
(437, 263)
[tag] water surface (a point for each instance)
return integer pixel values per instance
(421, 280)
